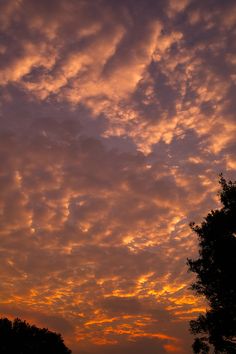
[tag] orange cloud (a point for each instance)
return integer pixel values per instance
(116, 118)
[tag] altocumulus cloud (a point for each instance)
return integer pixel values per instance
(116, 118)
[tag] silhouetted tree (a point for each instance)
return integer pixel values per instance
(216, 276)
(19, 337)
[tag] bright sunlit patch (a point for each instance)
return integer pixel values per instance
(172, 348)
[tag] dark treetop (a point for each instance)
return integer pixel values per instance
(216, 276)
(18, 337)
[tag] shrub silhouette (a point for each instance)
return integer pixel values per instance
(19, 337)
(216, 276)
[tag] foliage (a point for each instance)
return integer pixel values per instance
(19, 337)
(216, 275)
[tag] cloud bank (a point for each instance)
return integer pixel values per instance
(116, 118)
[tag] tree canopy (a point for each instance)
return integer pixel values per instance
(20, 337)
(216, 276)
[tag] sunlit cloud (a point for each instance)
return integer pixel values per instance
(116, 119)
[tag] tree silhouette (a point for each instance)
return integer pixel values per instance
(216, 276)
(19, 337)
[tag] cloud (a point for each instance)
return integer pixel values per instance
(58, 324)
(87, 239)
(116, 118)
(113, 54)
(140, 347)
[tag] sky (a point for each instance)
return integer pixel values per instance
(116, 119)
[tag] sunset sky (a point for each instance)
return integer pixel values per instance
(117, 117)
